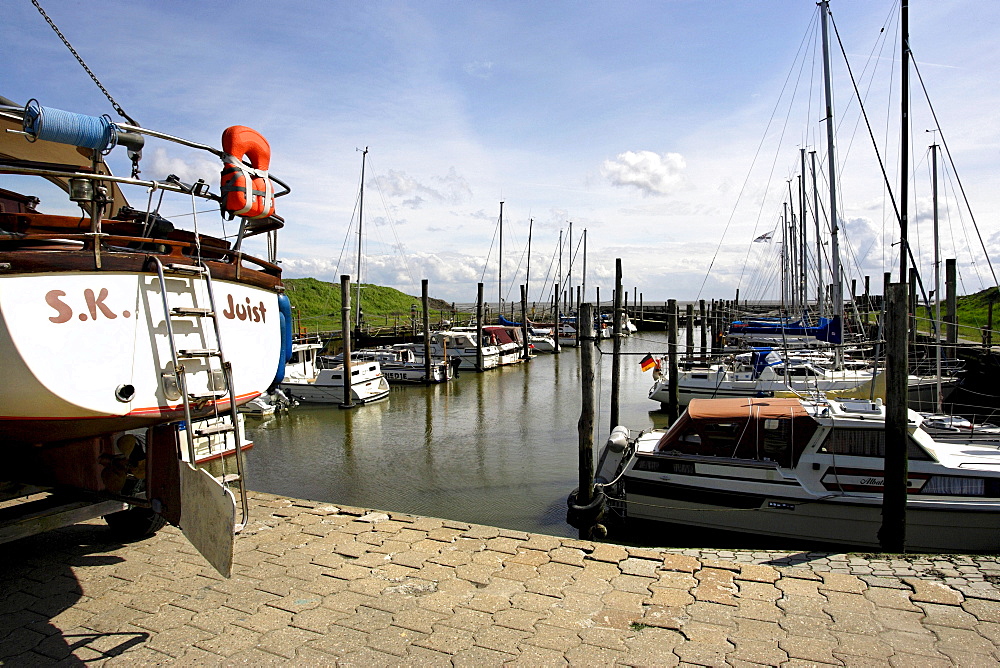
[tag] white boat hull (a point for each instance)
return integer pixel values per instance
(328, 387)
(87, 352)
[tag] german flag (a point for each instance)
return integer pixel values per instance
(647, 363)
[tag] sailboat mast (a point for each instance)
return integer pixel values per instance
(584, 280)
(820, 287)
(838, 293)
(937, 280)
(527, 269)
(803, 249)
(361, 218)
(500, 268)
(904, 138)
(569, 281)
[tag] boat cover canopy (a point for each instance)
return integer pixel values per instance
(775, 429)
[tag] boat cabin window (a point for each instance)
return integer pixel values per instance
(866, 443)
(801, 372)
(462, 341)
(355, 372)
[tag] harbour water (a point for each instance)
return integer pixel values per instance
(497, 448)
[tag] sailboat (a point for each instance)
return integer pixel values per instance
(307, 381)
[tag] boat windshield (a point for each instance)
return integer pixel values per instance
(773, 429)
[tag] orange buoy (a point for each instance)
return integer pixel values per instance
(246, 191)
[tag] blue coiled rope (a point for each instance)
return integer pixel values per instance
(66, 127)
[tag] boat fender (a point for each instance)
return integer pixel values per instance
(285, 323)
(618, 440)
(246, 191)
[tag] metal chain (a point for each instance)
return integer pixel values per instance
(117, 107)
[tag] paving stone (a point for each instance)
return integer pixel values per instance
(715, 585)
(608, 553)
(927, 591)
(680, 562)
(447, 639)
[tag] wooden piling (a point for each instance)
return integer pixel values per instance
(672, 403)
(617, 344)
(480, 364)
(345, 326)
(557, 326)
(689, 340)
(704, 329)
(892, 535)
(428, 362)
(585, 426)
(526, 340)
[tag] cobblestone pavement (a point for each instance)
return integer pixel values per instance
(320, 585)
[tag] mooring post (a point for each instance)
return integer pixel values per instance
(578, 315)
(617, 343)
(556, 329)
(526, 340)
(428, 362)
(345, 326)
(704, 329)
(689, 340)
(892, 535)
(951, 305)
(585, 426)
(672, 403)
(480, 364)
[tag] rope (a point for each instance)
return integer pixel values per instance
(117, 107)
(65, 127)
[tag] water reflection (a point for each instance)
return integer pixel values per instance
(496, 448)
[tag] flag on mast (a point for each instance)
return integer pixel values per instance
(764, 237)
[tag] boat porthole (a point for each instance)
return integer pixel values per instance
(124, 393)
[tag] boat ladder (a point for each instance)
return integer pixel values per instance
(219, 384)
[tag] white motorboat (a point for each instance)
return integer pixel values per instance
(508, 340)
(460, 344)
(800, 469)
(306, 381)
(400, 364)
(758, 374)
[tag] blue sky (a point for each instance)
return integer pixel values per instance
(667, 129)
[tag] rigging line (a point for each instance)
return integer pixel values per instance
(392, 223)
(908, 250)
(117, 107)
(947, 150)
(486, 264)
(965, 232)
(753, 162)
(744, 186)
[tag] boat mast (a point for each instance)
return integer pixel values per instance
(937, 281)
(584, 281)
(803, 249)
(361, 217)
(500, 269)
(837, 292)
(820, 288)
(527, 270)
(904, 138)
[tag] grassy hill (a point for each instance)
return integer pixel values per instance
(317, 304)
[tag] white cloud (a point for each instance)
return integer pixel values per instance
(652, 173)
(481, 69)
(158, 164)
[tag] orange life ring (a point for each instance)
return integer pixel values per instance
(246, 191)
